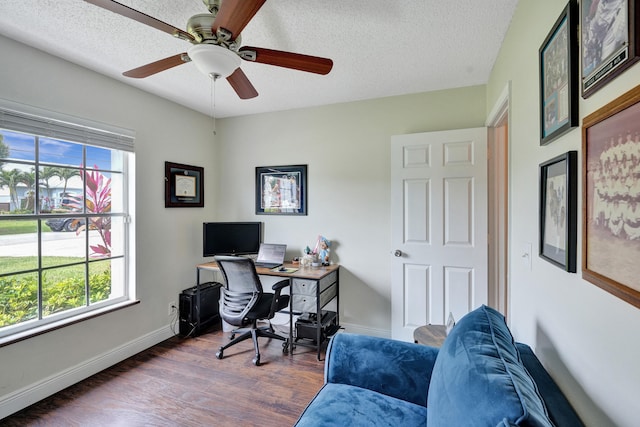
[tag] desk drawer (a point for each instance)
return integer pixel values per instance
(304, 303)
(308, 303)
(310, 286)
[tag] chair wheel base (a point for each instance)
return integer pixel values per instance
(219, 354)
(256, 360)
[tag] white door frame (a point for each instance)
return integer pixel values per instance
(500, 232)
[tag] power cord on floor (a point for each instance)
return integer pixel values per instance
(174, 319)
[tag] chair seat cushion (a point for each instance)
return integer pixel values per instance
(346, 405)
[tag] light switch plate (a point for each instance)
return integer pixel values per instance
(526, 255)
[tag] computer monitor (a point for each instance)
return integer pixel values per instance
(231, 238)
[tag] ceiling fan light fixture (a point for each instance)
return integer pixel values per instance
(213, 60)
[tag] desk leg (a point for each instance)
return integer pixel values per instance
(198, 299)
(290, 316)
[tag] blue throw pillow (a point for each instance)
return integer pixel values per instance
(478, 378)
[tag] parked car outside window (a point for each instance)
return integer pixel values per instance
(64, 224)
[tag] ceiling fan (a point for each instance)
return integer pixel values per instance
(217, 50)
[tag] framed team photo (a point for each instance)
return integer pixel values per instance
(559, 76)
(558, 210)
(611, 197)
(610, 40)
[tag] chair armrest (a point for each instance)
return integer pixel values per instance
(279, 301)
(280, 285)
(394, 368)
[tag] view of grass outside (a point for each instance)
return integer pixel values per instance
(8, 227)
(63, 283)
(63, 288)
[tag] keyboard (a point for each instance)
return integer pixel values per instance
(267, 265)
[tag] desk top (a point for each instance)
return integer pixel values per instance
(316, 273)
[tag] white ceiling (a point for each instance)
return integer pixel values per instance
(379, 48)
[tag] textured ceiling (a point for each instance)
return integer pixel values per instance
(379, 48)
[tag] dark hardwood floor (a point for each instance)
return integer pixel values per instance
(179, 382)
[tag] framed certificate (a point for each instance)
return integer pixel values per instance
(183, 186)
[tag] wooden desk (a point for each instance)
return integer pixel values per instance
(310, 289)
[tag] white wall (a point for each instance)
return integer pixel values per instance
(586, 337)
(168, 240)
(347, 148)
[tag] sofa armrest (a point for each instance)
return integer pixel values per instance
(558, 407)
(394, 368)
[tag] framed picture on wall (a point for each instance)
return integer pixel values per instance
(611, 197)
(183, 186)
(559, 76)
(610, 40)
(558, 211)
(281, 190)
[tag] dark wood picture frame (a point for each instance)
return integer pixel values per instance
(611, 197)
(610, 41)
(559, 211)
(558, 59)
(281, 190)
(183, 186)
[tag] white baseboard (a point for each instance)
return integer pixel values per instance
(33, 393)
(359, 329)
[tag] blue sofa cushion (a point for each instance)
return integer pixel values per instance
(478, 378)
(394, 368)
(347, 405)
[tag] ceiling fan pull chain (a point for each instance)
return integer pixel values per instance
(213, 101)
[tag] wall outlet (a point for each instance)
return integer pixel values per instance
(172, 308)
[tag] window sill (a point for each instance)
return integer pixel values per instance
(21, 336)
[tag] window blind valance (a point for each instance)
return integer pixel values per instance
(28, 119)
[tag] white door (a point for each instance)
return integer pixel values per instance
(439, 227)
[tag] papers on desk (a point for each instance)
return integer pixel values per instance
(284, 270)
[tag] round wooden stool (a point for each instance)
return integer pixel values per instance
(431, 335)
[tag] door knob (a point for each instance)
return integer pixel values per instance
(398, 253)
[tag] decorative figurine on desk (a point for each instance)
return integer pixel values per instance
(323, 255)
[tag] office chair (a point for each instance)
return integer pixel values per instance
(244, 303)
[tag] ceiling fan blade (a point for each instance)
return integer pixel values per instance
(156, 67)
(128, 12)
(241, 84)
(234, 15)
(295, 61)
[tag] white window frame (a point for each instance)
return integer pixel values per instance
(35, 121)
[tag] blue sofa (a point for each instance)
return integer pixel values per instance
(479, 377)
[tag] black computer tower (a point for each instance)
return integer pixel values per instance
(208, 311)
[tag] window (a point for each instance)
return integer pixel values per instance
(64, 222)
